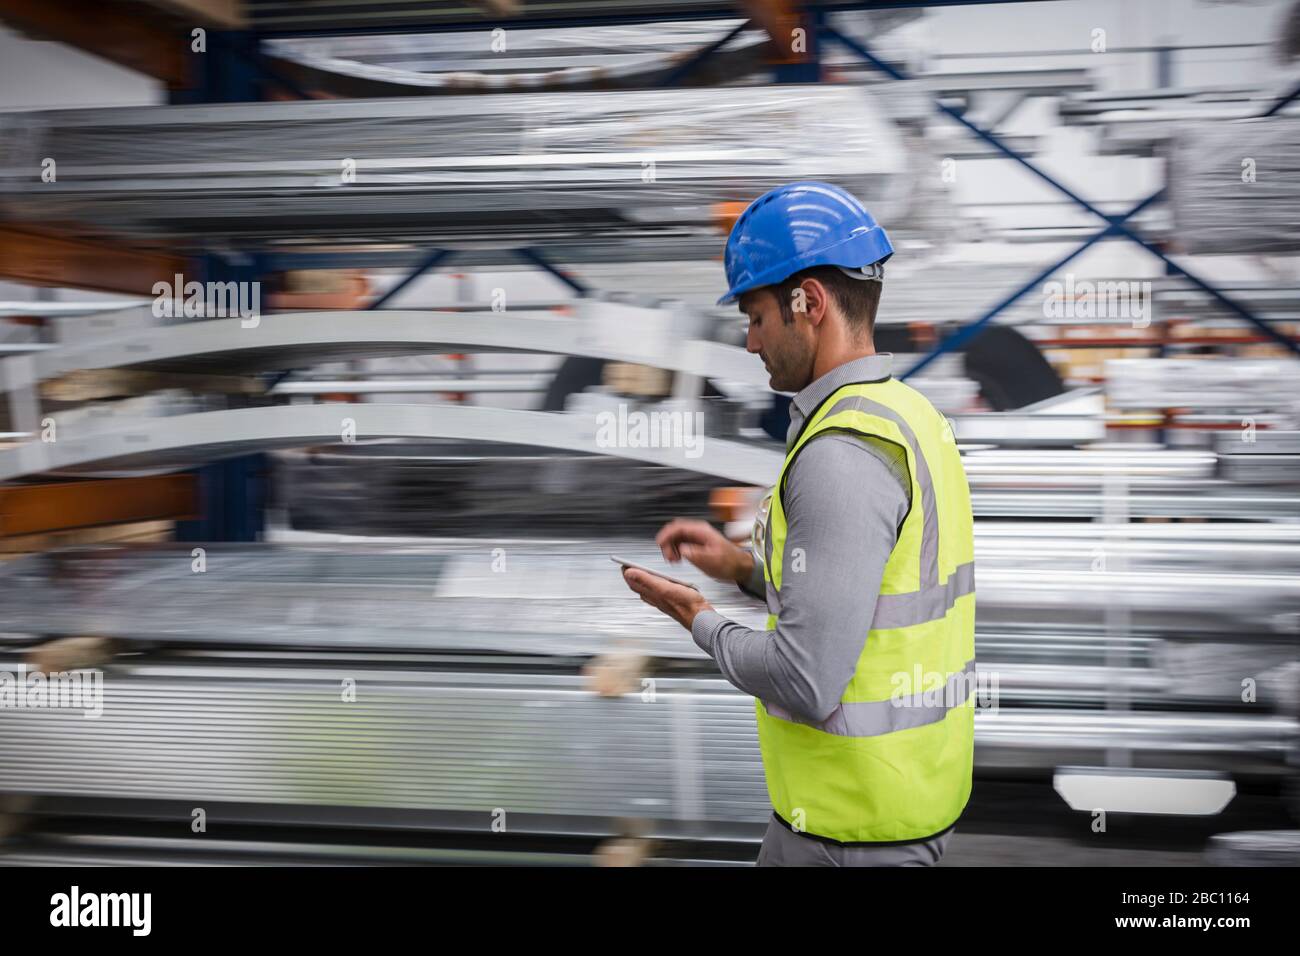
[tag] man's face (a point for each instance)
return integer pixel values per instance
(787, 349)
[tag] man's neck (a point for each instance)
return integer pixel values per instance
(829, 359)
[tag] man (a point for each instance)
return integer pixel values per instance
(863, 551)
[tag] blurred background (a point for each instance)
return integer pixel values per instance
(326, 330)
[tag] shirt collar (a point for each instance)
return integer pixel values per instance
(869, 368)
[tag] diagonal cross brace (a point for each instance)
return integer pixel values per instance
(431, 261)
(969, 331)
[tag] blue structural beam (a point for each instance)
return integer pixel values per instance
(431, 261)
(536, 258)
(809, 69)
(233, 496)
(232, 492)
(226, 71)
(1118, 228)
(233, 69)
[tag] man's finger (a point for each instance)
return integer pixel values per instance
(681, 531)
(642, 586)
(668, 537)
(639, 581)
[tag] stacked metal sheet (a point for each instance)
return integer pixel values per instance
(1237, 384)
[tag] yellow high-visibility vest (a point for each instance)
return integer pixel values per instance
(893, 762)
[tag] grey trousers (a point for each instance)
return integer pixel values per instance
(784, 847)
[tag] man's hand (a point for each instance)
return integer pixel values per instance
(705, 547)
(676, 600)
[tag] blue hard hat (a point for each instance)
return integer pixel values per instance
(795, 227)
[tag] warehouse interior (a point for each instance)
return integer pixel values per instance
(322, 326)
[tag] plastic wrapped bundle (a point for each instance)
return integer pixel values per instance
(601, 57)
(1235, 187)
(526, 168)
(587, 56)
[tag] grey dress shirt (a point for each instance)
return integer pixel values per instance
(845, 500)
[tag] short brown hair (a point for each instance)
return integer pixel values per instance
(858, 299)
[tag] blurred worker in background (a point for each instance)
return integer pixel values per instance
(863, 551)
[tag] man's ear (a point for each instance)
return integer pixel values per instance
(798, 301)
(816, 299)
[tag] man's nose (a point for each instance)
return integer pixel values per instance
(751, 341)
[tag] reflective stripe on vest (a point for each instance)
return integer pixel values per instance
(870, 718)
(928, 604)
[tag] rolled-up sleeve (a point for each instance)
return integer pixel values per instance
(844, 503)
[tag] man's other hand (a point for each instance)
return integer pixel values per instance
(705, 547)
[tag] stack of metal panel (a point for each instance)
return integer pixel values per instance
(1240, 384)
(1260, 457)
(562, 596)
(432, 684)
